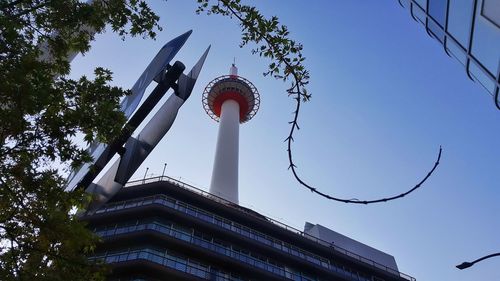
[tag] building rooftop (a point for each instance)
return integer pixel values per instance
(325, 239)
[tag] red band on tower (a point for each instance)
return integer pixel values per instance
(222, 97)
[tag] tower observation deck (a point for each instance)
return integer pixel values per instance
(229, 100)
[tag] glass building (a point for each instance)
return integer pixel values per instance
(164, 229)
(469, 31)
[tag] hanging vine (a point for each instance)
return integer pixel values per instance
(286, 64)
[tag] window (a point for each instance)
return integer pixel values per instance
(456, 51)
(204, 216)
(131, 204)
(491, 11)
(437, 10)
(485, 45)
(418, 13)
(436, 31)
(459, 20)
(191, 211)
(481, 77)
(181, 207)
(147, 201)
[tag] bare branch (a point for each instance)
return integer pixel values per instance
(287, 58)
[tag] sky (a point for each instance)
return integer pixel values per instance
(385, 97)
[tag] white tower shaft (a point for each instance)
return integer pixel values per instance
(225, 172)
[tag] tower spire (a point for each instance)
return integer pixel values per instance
(233, 70)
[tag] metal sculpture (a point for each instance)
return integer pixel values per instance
(133, 151)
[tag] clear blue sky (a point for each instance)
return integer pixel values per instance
(385, 96)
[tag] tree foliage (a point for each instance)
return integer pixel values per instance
(41, 110)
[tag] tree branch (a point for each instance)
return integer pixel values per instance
(257, 31)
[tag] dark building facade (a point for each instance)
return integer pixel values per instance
(163, 229)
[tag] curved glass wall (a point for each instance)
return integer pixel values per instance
(209, 243)
(241, 230)
(168, 260)
(469, 31)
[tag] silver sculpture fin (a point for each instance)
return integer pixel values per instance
(129, 104)
(137, 149)
(187, 82)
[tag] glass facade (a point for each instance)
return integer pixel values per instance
(200, 192)
(198, 241)
(205, 242)
(191, 236)
(167, 259)
(469, 31)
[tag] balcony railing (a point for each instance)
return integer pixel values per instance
(208, 245)
(333, 247)
(245, 231)
(157, 257)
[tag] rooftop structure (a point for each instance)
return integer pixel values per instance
(163, 229)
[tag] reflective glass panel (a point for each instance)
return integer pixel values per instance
(437, 10)
(486, 44)
(482, 77)
(456, 51)
(459, 20)
(491, 11)
(419, 14)
(422, 3)
(436, 31)
(404, 3)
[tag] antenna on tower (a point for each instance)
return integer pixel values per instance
(233, 71)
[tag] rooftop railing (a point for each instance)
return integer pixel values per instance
(208, 245)
(232, 226)
(227, 203)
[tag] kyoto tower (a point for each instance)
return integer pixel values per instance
(229, 100)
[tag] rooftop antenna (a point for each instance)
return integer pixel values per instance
(164, 167)
(145, 174)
